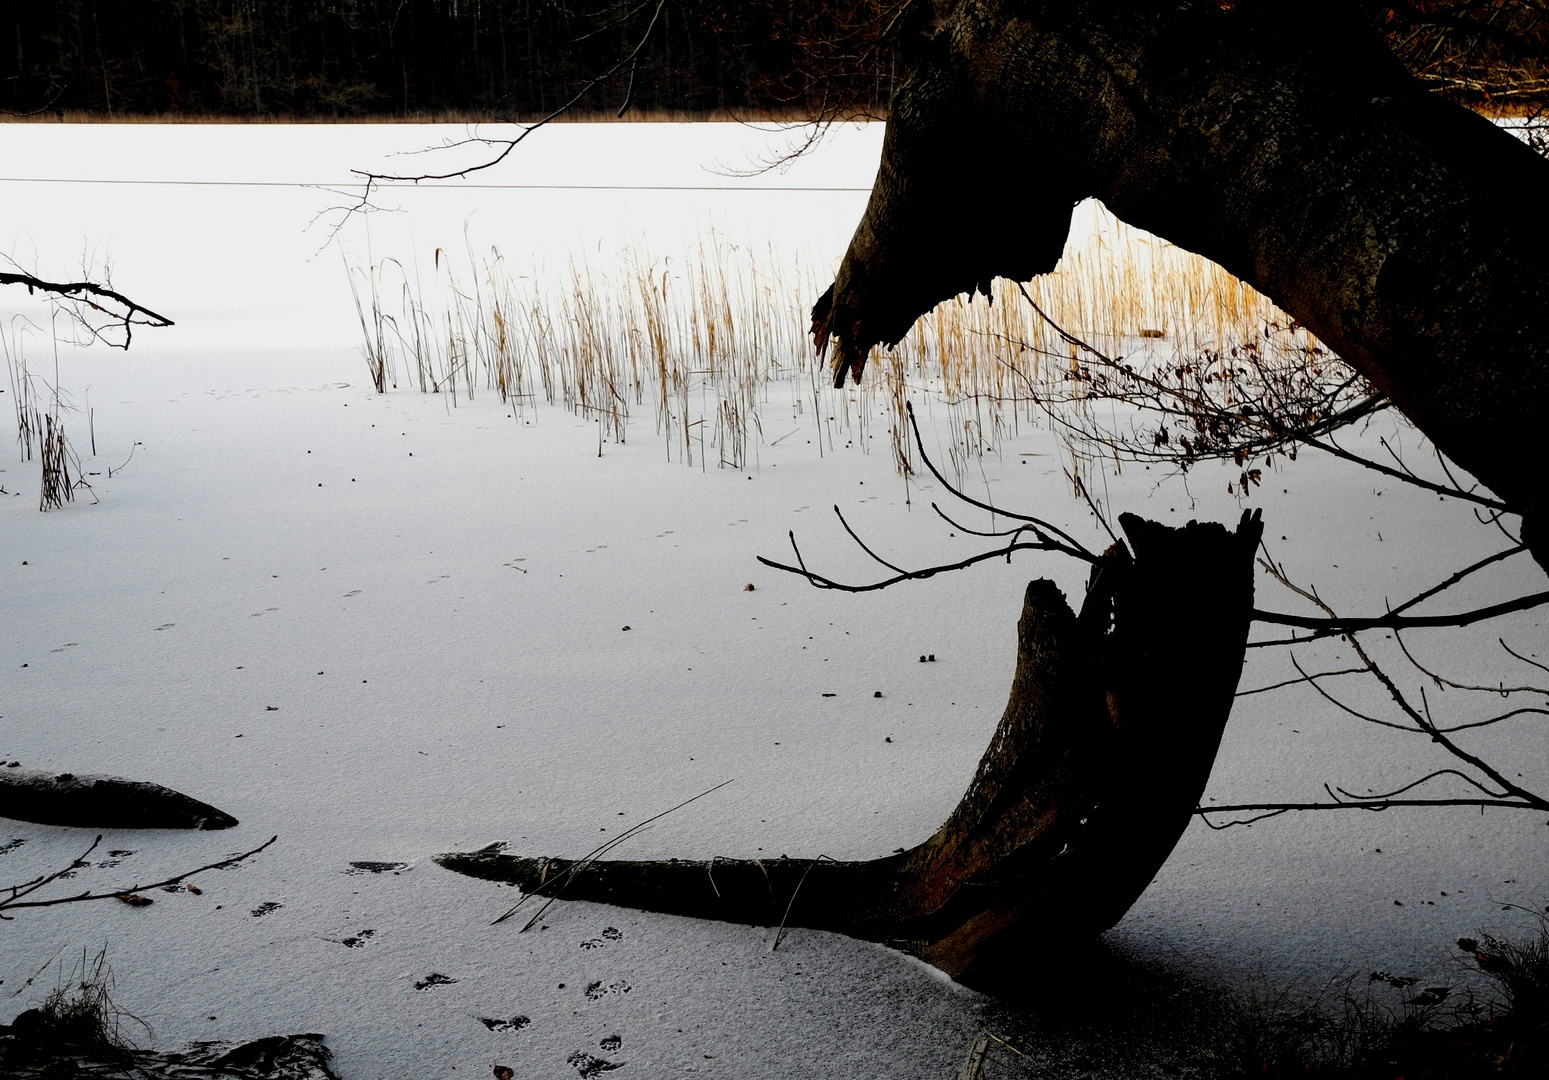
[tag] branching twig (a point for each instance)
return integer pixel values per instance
(1276, 809)
(14, 901)
(92, 295)
(626, 62)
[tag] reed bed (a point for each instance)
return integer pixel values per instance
(712, 341)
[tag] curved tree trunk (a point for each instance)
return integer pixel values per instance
(1281, 140)
(1107, 741)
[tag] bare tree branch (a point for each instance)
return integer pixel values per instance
(626, 62)
(1276, 809)
(129, 314)
(1394, 621)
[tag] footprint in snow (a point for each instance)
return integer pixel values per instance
(435, 978)
(610, 934)
(611, 1043)
(376, 867)
(589, 1065)
(265, 908)
(352, 592)
(516, 1023)
(359, 940)
(597, 991)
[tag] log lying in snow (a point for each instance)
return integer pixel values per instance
(102, 802)
(35, 1044)
(1113, 723)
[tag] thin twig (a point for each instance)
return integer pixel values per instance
(1519, 656)
(1441, 681)
(912, 575)
(1276, 809)
(1488, 560)
(1304, 679)
(1076, 546)
(11, 904)
(618, 67)
(591, 856)
(1410, 787)
(781, 930)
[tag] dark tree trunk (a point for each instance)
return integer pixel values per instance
(1090, 779)
(1281, 140)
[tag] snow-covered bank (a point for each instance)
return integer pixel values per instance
(384, 628)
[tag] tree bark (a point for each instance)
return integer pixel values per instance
(1098, 763)
(1281, 140)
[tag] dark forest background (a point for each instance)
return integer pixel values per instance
(349, 58)
(301, 59)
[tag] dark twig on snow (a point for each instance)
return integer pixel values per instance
(17, 892)
(1269, 810)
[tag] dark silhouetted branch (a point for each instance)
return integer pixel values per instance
(129, 314)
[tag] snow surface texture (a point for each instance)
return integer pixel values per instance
(385, 628)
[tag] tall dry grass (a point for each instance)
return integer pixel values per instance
(40, 429)
(713, 341)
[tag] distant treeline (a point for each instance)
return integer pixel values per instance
(522, 58)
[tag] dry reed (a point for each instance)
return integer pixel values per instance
(712, 338)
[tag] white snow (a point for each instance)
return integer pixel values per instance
(432, 601)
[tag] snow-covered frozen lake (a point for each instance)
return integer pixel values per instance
(382, 628)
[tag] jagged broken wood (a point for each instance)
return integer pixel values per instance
(1098, 763)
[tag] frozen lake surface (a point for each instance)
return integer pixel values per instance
(382, 628)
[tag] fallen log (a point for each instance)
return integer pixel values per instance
(102, 802)
(43, 1045)
(1094, 772)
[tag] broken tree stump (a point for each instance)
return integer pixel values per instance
(1094, 772)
